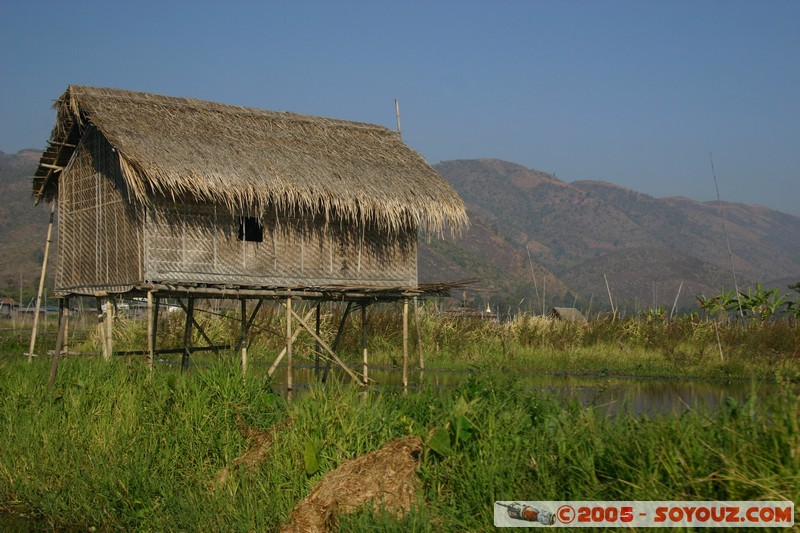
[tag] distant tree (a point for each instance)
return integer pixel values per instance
(793, 306)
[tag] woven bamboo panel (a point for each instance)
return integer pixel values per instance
(99, 231)
(202, 244)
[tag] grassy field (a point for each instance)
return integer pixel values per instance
(115, 447)
(646, 345)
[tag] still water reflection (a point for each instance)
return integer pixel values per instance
(611, 394)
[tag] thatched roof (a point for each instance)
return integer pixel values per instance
(568, 314)
(253, 160)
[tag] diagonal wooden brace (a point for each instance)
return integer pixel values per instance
(283, 352)
(324, 346)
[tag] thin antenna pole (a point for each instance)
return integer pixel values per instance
(397, 113)
(675, 303)
(610, 300)
(544, 293)
(725, 232)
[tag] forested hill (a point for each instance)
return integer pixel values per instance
(646, 247)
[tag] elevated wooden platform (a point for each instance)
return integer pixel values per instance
(357, 298)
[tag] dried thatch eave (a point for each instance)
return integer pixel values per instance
(254, 160)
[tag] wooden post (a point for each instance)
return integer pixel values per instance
(41, 283)
(337, 339)
(65, 347)
(63, 311)
(156, 312)
(110, 326)
(405, 343)
(288, 345)
(364, 340)
(419, 337)
(101, 329)
(316, 344)
(151, 341)
(187, 335)
(243, 337)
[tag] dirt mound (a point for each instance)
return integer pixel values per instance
(385, 477)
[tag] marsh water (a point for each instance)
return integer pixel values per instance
(610, 394)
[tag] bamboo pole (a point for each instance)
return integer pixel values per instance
(610, 300)
(675, 303)
(316, 346)
(187, 335)
(110, 327)
(65, 347)
(725, 232)
(243, 337)
(288, 345)
(101, 330)
(156, 312)
(150, 337)
(31, 353)
(63, 311)
(364, 341)
(336, 340)
(397, 114)
(419, 341)
(405, 343)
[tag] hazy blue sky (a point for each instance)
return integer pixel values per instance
(636, 93)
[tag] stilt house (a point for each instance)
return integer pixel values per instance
(157, 193)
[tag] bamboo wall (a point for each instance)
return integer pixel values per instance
(201, 244)
(99, 231)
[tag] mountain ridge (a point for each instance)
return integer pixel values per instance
(569, 226)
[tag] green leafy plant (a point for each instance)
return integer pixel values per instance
(457, 431)
(311, 457)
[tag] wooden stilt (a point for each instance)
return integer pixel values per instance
(316, 346)
(187, 335)
(63, 310)
(243, 337)
(339, 333)
(110, 327)
(65, 347)
(249, 324)
(154, 339)
(288, 345)
(419, 340)
(31, 353)
(101, 328)
(150, 326)
(364, 341)
(405, 343)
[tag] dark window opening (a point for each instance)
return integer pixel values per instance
(250, 229)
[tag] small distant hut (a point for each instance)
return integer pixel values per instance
(568, 314)
(177, 197)
(8, 307)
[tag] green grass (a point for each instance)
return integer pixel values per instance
(648, 345)
(117, 447)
